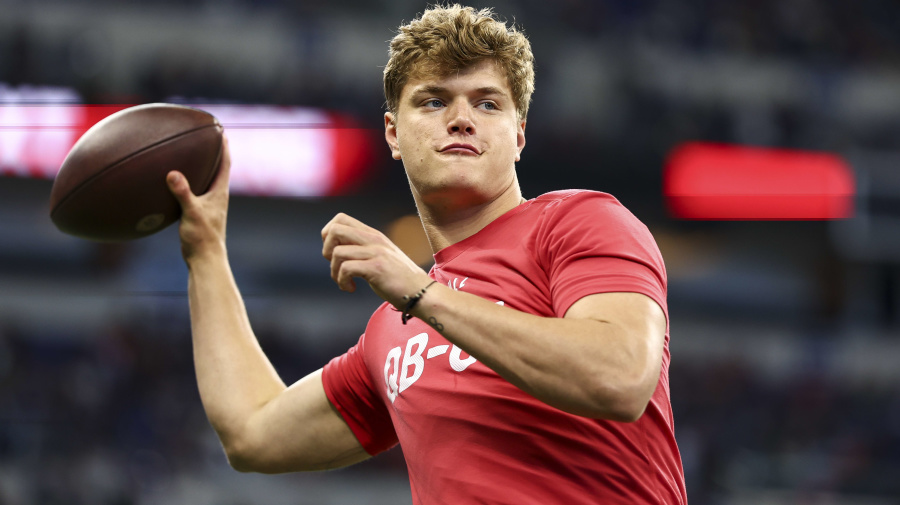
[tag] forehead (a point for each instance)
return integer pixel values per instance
(484, 74)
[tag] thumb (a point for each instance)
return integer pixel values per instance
(179, 188)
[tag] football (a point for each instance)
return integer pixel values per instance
(112, 185)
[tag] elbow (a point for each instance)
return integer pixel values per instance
(624, 402)
(246, 457)
(240, 465)
(239, 457)
(627, 412)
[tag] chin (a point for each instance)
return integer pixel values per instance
(459, 187)
(454, 195)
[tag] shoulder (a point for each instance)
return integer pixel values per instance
(581, 220)
(595, 208)
(565, 196)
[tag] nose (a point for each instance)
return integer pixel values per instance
(460, 119)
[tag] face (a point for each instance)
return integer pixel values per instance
(458, 135)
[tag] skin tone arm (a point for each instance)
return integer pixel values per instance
(602, 360)
(264, 426)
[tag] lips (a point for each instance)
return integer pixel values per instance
(460, 149)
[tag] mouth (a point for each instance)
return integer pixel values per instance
(467, 149)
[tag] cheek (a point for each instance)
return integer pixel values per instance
(411, 139)
(510, 143)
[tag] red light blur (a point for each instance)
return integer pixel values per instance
(276, 151)
(706, 181)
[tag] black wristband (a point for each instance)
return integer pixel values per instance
(411, 302)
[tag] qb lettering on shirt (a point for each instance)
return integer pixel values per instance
(403, 367)
(401, 374)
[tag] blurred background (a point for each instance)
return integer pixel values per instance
(784, 333)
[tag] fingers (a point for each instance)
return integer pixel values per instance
(348, 243)
(223, 176)
(339, 233)
(342, 219)
(180, 189)
(359, 251)
(346, 263)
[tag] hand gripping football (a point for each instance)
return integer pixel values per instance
(112, 185)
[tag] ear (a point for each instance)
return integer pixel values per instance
(390, 134)
(520, 139)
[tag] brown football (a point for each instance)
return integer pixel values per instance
(112, 185)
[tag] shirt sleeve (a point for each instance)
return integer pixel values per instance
(590, 243)
(349, 388)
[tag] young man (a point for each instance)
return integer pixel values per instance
(529, 366)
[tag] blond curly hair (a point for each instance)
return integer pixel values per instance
(445, 39)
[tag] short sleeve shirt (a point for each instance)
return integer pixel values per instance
(468, 435)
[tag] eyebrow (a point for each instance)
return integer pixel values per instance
(440, 90)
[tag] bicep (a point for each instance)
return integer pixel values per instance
(635, 310)
(300, 430)
(638, 319)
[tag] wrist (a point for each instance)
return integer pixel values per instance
(200, 254)
(430, 307)
(409, 302)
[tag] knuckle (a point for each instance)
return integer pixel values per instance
(341, 276)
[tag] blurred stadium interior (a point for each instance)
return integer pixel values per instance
(785, 335)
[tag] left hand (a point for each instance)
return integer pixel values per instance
(357, 250)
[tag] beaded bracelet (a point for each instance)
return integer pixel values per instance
(411, 302)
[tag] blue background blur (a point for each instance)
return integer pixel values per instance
(784, 343)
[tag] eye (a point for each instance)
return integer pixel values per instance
(488, 105)
(433, 103)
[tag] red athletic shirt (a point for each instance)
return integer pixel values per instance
(468, 435)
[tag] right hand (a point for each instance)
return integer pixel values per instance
(203, 217)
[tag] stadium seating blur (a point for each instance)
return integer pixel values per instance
(784, 334)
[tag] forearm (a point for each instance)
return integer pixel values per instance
(234, 376)
(583, 366)
(601, 360)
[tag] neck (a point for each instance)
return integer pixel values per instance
(446, 224)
